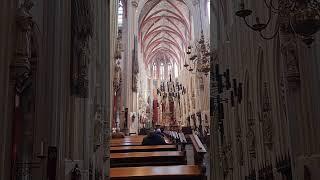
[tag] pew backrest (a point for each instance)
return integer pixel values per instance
(182, 138)
(158, 158)
(125, 149)
(199, 149)
(179, 172)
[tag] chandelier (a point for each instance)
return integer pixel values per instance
(171, 89)
(301, 17)
(200, 58)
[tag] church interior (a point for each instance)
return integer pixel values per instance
(159, 89)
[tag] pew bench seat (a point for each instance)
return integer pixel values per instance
(132, 141)
(179, 172)
(114, 144)
(158, 158)
(125, 149)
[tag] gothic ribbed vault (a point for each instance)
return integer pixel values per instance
(164, 30)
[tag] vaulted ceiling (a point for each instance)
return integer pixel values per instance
(164, 30)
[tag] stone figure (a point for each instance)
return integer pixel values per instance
(267, 119)
(251, 142)
(251, 138)
(290, 55)
(117, 79)
(135, 66)
(82, 31)
(76, 173)
(26, 47)
(239, 150)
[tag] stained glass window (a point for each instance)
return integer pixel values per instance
(120, 14)
(154, 68)
(162, 71)
(208, 8)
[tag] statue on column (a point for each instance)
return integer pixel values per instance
(26, 51)
(135, 67)
(267, 124)
(98, 125)
(76, 173)
(82, 31)
(26, 46)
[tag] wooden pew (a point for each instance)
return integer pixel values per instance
(183, 141)
(131, 141)
(125, 149)
(187, 131)
(180, 172)
(129, 138)
(173, 136)
(158, 158)
(127, 141)
(199, 151)
(115, 144)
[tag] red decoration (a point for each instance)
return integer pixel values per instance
(171, 108)
(155, 111)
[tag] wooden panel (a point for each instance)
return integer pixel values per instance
(113, 144)
(122, 149)
(182, 138)
(181, 172)
(145, 154)
(147, 158)
(131, 141)
(197, 144)
(130, 138)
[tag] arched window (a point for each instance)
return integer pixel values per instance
(120, 14)
(208, 9)
(162, 71)
(154, 69)
(169, 68)
(176, 71)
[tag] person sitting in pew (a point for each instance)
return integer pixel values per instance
(117, 134)
(158, 131)
(153, 139)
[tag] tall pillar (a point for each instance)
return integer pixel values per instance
(7, 43)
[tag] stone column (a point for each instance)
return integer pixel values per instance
(108, 30)
(293, 96)
(24, 78)
(7, 35)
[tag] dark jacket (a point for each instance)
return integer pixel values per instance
(153, 139)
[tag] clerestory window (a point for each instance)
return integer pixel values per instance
(120, 14)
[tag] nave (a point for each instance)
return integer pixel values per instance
(242, 75)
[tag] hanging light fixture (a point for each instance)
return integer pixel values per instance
(200, 60)
(171, 89)
(301, 17)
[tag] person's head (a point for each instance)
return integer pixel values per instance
(158, 131)
(151, 133)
